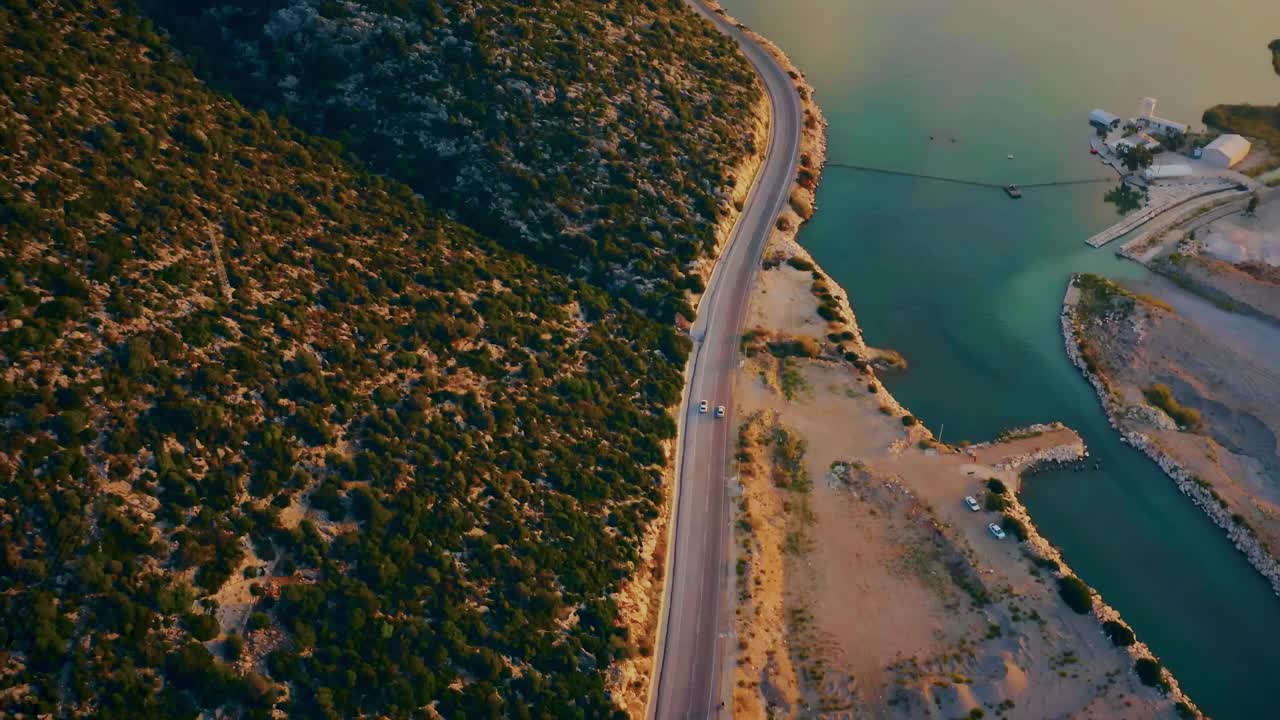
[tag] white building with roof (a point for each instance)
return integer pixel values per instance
(1149, 121)
(1226, 151)
(1104, 119)
(1133, 141)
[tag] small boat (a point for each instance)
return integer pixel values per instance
(1013, 191)
(1010, 156)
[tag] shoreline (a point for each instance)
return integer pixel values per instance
(1183, 479)
(783, 242)
(1036, 547)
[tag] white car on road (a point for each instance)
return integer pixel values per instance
(996, 530)
(971, 503)
(702, 407)
(719, 411)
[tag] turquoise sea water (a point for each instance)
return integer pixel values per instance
(968, 284)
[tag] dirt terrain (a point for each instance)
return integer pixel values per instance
(865, 586)
(1226, 254)
(1219, 419)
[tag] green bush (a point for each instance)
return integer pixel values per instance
(203, 627)
(996, 486)
(800, 264)
(908, 420)
(1075, 594)
(233, 646)
(1150, 672)
(1119, 633)
(1161, 396)
(1014, 527)
(995, 503)
(795, 347)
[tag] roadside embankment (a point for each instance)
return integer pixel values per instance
(1204, 433)
(640, 598)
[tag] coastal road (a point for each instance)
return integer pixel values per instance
(695, 620)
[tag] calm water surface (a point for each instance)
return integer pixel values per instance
(968, 284)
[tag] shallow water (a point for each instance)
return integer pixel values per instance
(968, 284)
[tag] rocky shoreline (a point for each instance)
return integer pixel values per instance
(1187, 483)
(1036, 546)
(1041, 551)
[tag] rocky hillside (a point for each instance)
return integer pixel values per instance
(277, 434)
(599, 137)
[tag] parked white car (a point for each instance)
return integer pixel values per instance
(996, 530)
(971, 503)
(719, 411)
(702, 407)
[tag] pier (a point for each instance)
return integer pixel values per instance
(1190, 193)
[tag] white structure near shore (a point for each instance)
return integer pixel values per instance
(1167, 171)
(1226, 151)
(1149, 121)
(1104, 119)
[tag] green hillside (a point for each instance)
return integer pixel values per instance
(598, 137)
(276, 433)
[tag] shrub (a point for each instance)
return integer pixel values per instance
(1120, 634)
(202, 627)
(995, 503)
(1047, 563)
(800, 203)
(996, 486)
(795, 347)
(1162, 397)
(1014, 527)
(1075, 594)
(1150, 672)
(829, 312)
(800, 263)
(908, 420)
(233, 646)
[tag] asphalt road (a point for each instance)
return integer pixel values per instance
(695, 617)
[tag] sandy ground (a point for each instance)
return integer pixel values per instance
(1221, 364)
(866, 587)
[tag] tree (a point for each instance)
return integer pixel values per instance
(1253, 205)
(1135, 157)
(1075, 593)
(1119, 633)
(1150, 672)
